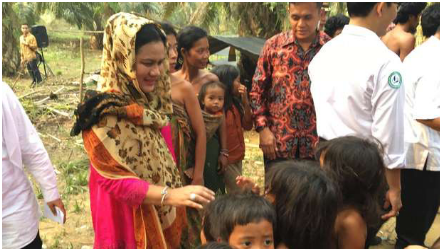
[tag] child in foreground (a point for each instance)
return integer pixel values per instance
(357, 166)
(306, 202)
(245, 221)
(211, 99)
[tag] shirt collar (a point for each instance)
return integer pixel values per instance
(359, 31)
(320, 39)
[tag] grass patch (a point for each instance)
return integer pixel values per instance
(76, 176)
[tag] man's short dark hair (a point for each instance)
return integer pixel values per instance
(406, 10)
(359, 9)
(318, 4)
(356, 9)
(431, 20)
(335, 23)
(25, 24)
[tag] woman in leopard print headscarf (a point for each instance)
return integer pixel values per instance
(136, 195)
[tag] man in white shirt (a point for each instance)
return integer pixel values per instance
(22, 146)
(357, 89)
(421, 180)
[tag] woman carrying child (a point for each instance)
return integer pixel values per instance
(193, 57)
(188, 128)
(238, 117)
(136, 196)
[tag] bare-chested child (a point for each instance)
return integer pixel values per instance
(401, 39)
(357, 166)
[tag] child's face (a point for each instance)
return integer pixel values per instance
(235, 86)
(214, 99)
(255, 235)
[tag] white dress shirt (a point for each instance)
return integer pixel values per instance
(22, 146)
(357, 89)
(422, 88)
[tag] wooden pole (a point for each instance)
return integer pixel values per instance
(82, 69)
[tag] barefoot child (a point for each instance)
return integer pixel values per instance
(211, 98)
(238, 117)
(357, 166)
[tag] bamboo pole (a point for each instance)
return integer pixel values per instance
(81, 80)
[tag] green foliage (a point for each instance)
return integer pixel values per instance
(76, 176)
(336, 8)
(77, 208)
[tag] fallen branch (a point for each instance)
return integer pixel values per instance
(47, 98)
(49, 135)
(31, 93)
(81, 82)
(57, 111)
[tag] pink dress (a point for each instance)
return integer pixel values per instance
(112, 202)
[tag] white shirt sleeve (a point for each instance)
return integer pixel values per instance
(34, 155)
(388, 100)
(427, 96)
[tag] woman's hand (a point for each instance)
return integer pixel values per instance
(190, 196)
(247, 184)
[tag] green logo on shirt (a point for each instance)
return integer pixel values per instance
(395, 80)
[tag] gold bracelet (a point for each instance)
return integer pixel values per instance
(164, 193)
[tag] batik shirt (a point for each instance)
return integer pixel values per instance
(280, 96)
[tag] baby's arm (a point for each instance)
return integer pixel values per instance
(247, 184)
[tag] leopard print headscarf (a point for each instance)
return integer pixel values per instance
(124, 140)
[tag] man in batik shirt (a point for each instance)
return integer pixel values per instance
(282, 105)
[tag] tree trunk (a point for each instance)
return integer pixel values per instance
(10, 48)
(268, 23)
(96, 41)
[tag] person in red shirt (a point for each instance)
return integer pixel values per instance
(238, 117)
(283, 110)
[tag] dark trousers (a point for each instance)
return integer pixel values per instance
(35, 244)
(420, 200)
(34, 71)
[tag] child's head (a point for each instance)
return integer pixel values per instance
(230, 77)
(247, 222)
(212, 97)
(357, 166)
(306, 203)
(211, 218)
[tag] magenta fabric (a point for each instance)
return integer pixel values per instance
(166, 133)
(112, 202)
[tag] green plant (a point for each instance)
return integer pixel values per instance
(77, 208)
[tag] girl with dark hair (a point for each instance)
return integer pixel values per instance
(238, 117)
(357, 166)
(136, 195)
(305, 201)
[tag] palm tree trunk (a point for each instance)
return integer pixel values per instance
(11, 54)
